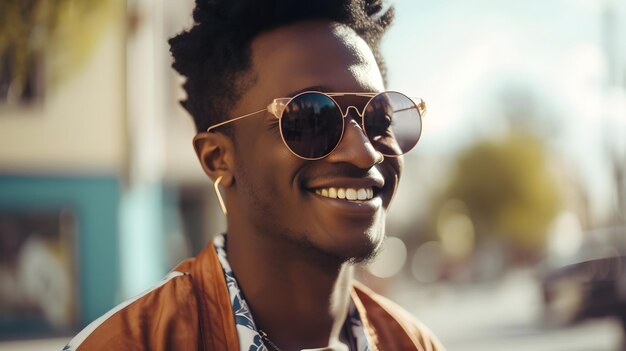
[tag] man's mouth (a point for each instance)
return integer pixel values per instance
(350, 194)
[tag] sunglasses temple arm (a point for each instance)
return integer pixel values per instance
(421, 107)
(234, 119)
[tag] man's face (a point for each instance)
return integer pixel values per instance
(276, 190)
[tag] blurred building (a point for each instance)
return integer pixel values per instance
(97, 172)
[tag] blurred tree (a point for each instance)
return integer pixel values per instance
(508, 191)
(64, 30)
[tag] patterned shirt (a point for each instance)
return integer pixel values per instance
(249, 337)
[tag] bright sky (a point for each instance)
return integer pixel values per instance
(458, 54)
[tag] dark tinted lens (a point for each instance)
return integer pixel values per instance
(393, 123)
(311, 125)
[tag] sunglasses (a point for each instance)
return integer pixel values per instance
(312, 123)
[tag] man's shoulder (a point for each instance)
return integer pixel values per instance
(165, 314)
(387, 319)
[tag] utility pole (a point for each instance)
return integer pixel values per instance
(614, 112)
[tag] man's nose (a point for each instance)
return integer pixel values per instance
(355, 147)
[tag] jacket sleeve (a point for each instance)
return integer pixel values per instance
(162, 318)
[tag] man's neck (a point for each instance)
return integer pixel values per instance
(298, 298)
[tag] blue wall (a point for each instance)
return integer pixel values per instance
(95, 200)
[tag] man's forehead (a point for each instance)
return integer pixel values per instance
(303, 34)
(314, 53)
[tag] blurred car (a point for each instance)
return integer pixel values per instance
(589, 283)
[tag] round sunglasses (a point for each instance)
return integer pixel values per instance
(312, 123)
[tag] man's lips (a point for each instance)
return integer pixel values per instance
(337, 207)
(356, 196)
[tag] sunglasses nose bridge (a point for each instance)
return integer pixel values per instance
(356, 110)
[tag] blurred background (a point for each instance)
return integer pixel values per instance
(508, 231)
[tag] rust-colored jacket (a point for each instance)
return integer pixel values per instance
(190, 310)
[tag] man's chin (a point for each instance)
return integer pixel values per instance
(364, 258)
(367, 254)
(347, 244)
(365, 249)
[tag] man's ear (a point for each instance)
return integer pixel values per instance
(215, 152)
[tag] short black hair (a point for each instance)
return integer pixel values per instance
(214, 55)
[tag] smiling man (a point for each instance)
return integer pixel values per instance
(305, 148)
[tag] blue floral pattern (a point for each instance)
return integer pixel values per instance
(359, 339)
(249, 337)
(258, 344)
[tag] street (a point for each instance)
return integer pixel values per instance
(505, 315)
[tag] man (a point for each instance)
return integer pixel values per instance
(294, 128)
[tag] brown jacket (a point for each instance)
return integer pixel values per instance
(190, 310)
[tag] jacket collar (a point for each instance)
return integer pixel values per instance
(217, 324)
(381, 318)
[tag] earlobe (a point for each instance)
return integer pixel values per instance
(214, 151)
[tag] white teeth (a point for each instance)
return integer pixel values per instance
(332, 193)
(350, 194)
(341, 193)
(362, 194)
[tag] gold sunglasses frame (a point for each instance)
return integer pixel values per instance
(278, 105)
